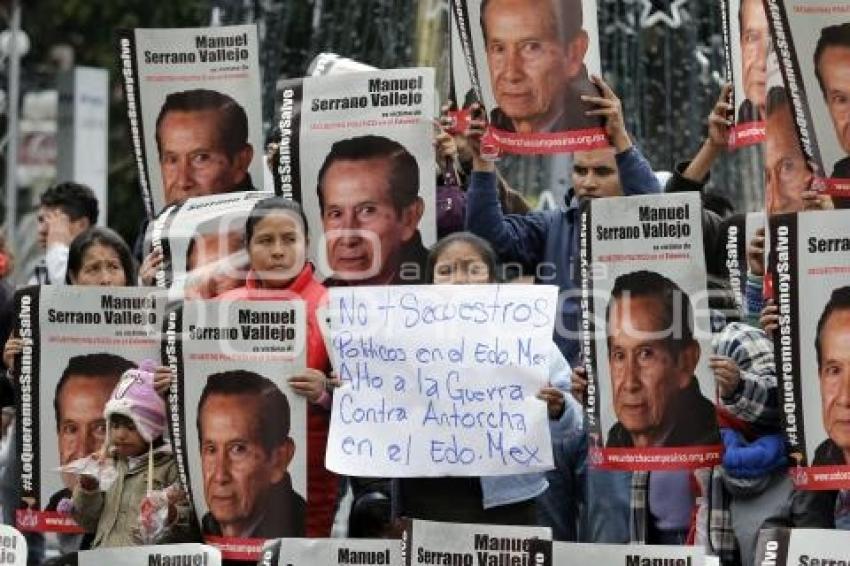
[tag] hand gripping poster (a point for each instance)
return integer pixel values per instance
(811, 39)
(529, 64)
(238, 428)
(76, 344)
(551, 553)
(747, 42)
(194, 109)
(645, 336)
(189, 554)
(202, 243)
(811, 259)
(803, 547)
(440, 380)
(356, 151)
(331, 552)
(430, 542)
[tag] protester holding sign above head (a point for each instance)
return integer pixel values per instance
(465, 259)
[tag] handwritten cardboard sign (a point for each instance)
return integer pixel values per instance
(440, 380)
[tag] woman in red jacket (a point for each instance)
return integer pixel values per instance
(276, 241)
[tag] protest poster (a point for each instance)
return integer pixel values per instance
(189, 554)
(13, 546)
(802, 547)
(429, 542)
(529, 74)
(811, 42)
(645, 336)
(746, 42)
(462, 401)
(238, 429)
(194, 110)
(202, 242)
(736, 234)
(356, 151)
(330, 552)
(77, 342)
(811, 262)
(551, 553)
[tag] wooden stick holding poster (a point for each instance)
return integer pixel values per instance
(440, 380)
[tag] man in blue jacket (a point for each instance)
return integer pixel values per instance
(546, 243)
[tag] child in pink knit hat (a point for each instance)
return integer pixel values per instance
(145, 504)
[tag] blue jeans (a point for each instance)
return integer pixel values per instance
(560, 506)
(608, 511)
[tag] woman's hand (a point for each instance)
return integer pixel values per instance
(162, 377)
(554, 401)
(578, 386)
(13, 347)
(310, 383)
(149, 267)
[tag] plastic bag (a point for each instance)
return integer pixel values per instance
(101, 468)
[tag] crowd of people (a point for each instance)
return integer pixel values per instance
(489, 235)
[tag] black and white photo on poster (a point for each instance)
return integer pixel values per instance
(357, 152)
(232, 361)
(529, 62)
(194, 110)
(202, 242)
(645, 335)
(812, 41)
(77, 342)
(811, 262)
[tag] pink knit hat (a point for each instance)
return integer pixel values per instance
(135, 398)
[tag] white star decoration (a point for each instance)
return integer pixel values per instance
(652, 14)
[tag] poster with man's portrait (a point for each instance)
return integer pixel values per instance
(747, 42)
(529, 63)
(202, 242)
(810, 253)
(76, 344)
(194, 110)
(357, 152)
(645, 336)
(238, 428)
(813, 48)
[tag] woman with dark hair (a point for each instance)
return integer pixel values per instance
(276, 241)
(99, 256)
(465, 259)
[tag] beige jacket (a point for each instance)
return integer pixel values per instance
(114, 515)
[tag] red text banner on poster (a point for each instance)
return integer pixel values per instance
(237, 548)
(821, 478)
(672, 458)
(555, 142)
(746, 134)
(46, 521)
